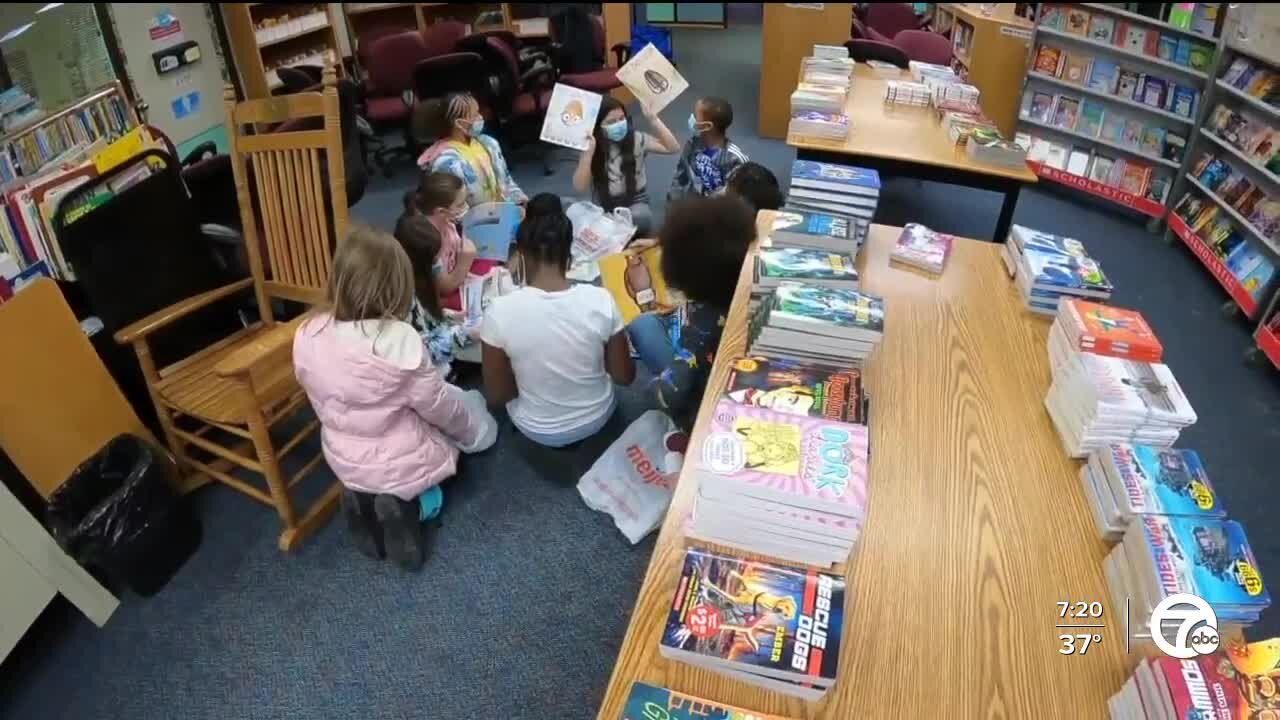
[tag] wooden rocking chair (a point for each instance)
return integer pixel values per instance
(243, 385)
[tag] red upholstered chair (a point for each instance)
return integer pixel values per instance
(390, 67)
(890, 18)
(519, 100)
(581, 67)
(924, 46)
(864, 50)
(441, 38)
(860, 31)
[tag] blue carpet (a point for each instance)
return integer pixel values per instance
(525, 599)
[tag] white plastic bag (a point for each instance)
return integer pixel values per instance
(476, 407)
(634, 479)
(597, 233)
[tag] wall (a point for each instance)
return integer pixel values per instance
(61, 58)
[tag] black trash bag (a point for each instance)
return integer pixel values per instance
(119, 514)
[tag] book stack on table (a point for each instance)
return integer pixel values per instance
(809, 265)
(830, 327)
(818, 102)
(836, 189)
(1124, 482)
(1084, 326)
(1238, 682)
(1048, 267)
(793, 227)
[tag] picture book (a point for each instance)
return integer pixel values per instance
(1152, 46)
(1077, 21)
(1199, 56)
(830, 311)
(571, 115)
(1091, 115)
(1153, 92)
(1048, 60)
(1102, 27)
(1249, 201)
(1152, 140)
(1183, 100)
(811, 265)
(1127, 84)
(1135, 178)
(1174, 146)
(1103, 75)
(921, 247)
(1065, 112)
(1075, 69)
(1113, 127)
(492, 228)
(1101, 168)
(1163, 481)
(1266, 217)
(636, 282)
(1041, 107)
(1198, 688)
(1078, 161)
(648, 702)
(1057, 157)
(1166, 47)
(773, 620)
(1243, 260)
(1135, 38)
(797, 389)
(1182, 54)
(845, 179)
(1039, 151)
(1206, 557)
(1108, 330)
(1256, 281)
(801, 227)
(1157, 187)
(651, 77)
(1236, 70)
(1054, 17)
(1257, 670)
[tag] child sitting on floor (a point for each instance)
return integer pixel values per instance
(704, 243)
(709, 156)
(464, 151)
(421, 242)
(441, 198)
(551, 350)
(391, 427)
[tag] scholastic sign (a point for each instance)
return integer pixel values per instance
(1214, 264)
(1143, 205)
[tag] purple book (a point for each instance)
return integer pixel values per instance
(800, 461)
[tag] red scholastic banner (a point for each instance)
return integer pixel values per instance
(1146, 206)
(1214, 264)
(1270, 344)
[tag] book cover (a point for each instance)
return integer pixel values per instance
(649, 702)
(1152, 140)
(1056, 157)
(1153, 92)
(1077, 21)
(1075, 69)
(1164, 481)
(1110, 330)
(1158, 187)
(1047, 60)
(1039, 151)
(1065, 272)
(1207, 557)
(1104, 75)
(1166, 47)
(1236, 70)
(920, 246)
(1091, 116)
(791, 459)
(1127, 84)
(1198, 688)
(571, 114)
(1256, 281)
(819, 307)
(1054, 17)
(1199, 56)
(1135, 39)
(1112, 127)
(800, 224)
(1101, 168)
(1184, 99)
(1041, 107)
(636, 282)
(777, 620)
(1135, 178)
(1102, 27)
(1182, 54)
(837, 178)
(1078, 161)
(795, 263)
(797, 389)
(1132, 135)
(651, 77)
(1065, 112)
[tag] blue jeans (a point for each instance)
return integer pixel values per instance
(569, 437)
(652, 344)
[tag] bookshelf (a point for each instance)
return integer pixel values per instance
(268, 36)
(989, 52)
(1126, 88)
(105, 114)
(1267, 337)
(1228, 197)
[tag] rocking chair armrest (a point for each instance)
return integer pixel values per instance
(140, 329)
(275, 344)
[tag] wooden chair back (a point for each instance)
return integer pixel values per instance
(291, 187)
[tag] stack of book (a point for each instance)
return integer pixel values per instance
(830, 72)
(1095, 401)
(954, 96)
(824, 326)
(837, 189)
(811, 266)
(649, 702)
(826, 125)
(1163, 555)
(1124, 482)
(1234, 684)
(922, 71)
(1048, 267)
(987, 145)
(793, 227)
(774, 626)
(902, 92)
(960, 125)
(920, 247)
(1083, 326)
(820, 98)
(798, 389)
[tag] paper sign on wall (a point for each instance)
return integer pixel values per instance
(186, 104)
(165, 29)
(652, 78)
(571, 116)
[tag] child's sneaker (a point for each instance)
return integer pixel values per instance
(401, 531)
(362, 522)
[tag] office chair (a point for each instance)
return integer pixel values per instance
(441, 38)
(459, 72)
(390, 66)
(891, 18)
(298, 78)
(518, 99)
(924, 46)
(578, 49)
(860, 31)
(864, 50)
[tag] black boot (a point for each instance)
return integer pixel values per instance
(401, 531)
(362, 521)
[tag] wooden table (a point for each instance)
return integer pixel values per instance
(905, 141)
(976, 526)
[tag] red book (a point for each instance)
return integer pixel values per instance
(1106, 330)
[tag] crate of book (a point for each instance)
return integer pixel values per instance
(1095, 400)
(1047, 267)
(920, 247)
(775, 626)
(1238, 682)
(1123, 482)
(649, 702)
(806, 228)
(1213, 236)
(832, 188)
(809, 265)
(831, 327)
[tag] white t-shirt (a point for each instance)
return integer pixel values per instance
(556, 342)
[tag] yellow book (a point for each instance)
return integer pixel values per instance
(129, 144)
(636, 283)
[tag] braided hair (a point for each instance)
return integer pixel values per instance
(434, 118)
(626, 148)
(545, 235)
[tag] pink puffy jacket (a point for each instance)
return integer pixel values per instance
(384, 429)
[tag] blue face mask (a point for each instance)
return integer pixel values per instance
(477, 127)
(615, 131)
(693, 123)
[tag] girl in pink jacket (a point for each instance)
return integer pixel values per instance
(391, 426)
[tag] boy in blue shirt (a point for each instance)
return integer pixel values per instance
(709, 156)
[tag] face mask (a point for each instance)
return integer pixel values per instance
(476, 127)
(456, 215)
(694, 124)
(615, 131)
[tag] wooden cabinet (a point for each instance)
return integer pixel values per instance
(990, 53)
(267, 36)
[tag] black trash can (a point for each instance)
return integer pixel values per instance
(118, 514)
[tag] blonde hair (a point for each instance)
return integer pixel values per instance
(372, 277)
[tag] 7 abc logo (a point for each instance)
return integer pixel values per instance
(1184, 626)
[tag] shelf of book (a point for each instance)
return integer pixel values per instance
(1145, 20)
(1252, 101)
(1102, 141)
(1214, 264)
(1269, 343)
(1258, 169)
(1111, 97)
(1239, 219)
(1125, 52)
(1146, 206)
